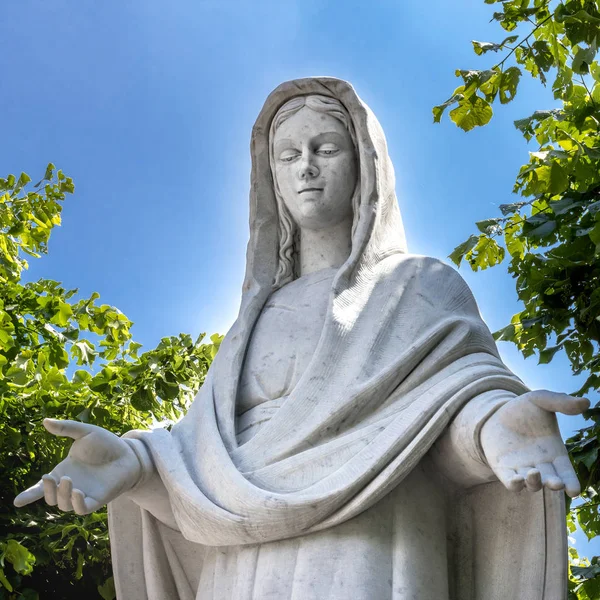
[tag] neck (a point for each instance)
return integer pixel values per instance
(325, 248)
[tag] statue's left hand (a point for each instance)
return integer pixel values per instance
(522, 443)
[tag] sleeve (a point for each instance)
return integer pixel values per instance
(149, 492)
(458, 453)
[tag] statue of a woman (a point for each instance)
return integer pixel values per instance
(357, 436)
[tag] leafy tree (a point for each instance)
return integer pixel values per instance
(64, 356)
(550, 237)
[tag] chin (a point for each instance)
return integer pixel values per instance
(311, 215)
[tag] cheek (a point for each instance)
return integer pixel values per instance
(285, 184)
(342, 176)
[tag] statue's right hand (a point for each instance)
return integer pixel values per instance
(100, 466)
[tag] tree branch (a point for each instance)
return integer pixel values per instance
(522, 42)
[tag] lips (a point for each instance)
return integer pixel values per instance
(311, 189)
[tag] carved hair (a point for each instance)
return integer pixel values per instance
(289, 239)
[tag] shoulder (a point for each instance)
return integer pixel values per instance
(427, 279)
(420, 268)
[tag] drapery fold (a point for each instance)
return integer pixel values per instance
(402, 351)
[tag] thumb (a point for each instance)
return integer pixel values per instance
(557, 402)
(72, 429)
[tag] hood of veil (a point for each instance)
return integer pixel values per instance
(378, 233)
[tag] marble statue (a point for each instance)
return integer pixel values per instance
(357, 436)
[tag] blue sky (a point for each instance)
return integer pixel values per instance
(149, 105)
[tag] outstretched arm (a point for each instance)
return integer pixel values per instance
(511, 438)
(458, 454)
(150, 492)
(100, 467)
(522, 443)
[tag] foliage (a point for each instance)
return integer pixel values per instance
(552, 235)
(68, 357)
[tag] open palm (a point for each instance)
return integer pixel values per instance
(100, 466)
(523, 445)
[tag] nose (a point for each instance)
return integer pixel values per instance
(307, 169)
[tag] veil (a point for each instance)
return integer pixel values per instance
(402, 351)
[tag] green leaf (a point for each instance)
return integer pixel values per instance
(21, 559)
(588, 457)
(81, 376)
(547, 354)
(6, 339)
(79, 569)
(49, 172)
(542, 55)
(54, 378)
(83, 352)
(17, 376)
(107, 589)
(460, 250)
(563, 84)
(505, 334)
(483, 47)
(62, 315)
(67, 186)
(4, 581)
(559, 180)
(58, 356)
(471, 112)
(594, 234)
(487, 253)
(582, 60)
(509, 82)
(564, 205)
(13, 436)
(24, 179)
(438, 111)
(143, 399)
(487, 225)
(542, 230)
(586, 572)
(506, 209)
(580, 26)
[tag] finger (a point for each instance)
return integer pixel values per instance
(50, 492)
(557, 402)
(78, 500)
(531, 477)
(523, 471)
(72, 429)
(550, 478)
(566, 472)
(35, 492)
(91, 504)
(65, 489)
(510, 479)
(533, 480)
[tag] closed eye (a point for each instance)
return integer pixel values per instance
(288, 157)
(328, 150)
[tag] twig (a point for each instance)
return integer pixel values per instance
(522, 42)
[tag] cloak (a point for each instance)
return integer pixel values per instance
(402, 352)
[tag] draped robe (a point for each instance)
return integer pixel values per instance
(336, 491)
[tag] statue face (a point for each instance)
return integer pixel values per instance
(316, 169)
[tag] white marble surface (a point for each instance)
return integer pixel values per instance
(357, 435)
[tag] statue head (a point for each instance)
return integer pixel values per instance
(313, 156)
